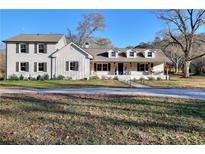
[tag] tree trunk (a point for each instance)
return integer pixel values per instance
(186, 69)
(176, 68)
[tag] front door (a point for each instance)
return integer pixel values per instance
(120, 68)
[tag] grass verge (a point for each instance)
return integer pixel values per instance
(61, 84)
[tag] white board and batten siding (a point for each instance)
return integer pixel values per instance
(71, 53)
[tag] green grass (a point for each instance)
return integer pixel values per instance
(100, 119)
(62, 83)
(196, 82)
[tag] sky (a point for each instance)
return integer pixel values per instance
(123, 27)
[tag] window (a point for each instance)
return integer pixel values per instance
(74, 66)
(24, 48)
(141, 67)
(131, 54)
(105, 67)
(41, 48)
(149, 54)
(24, 66)
(102, 67)
(113, 54)
(42, 67)
(67, 65)
(99, 67)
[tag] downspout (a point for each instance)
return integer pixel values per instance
(6, 64)
(51, 68)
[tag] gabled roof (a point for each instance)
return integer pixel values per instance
(54, 54)
(101, 55)
(48, 38)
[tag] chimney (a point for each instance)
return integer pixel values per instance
(86, 45)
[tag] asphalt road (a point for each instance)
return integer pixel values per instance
(164, 92)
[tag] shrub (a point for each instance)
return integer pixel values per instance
(33, 78)
(109, 78)
(141, 79)
(115, 78)
(151, 78)
(103, 77)
(13, 77)
(38, 77)
(159, 78)
(21, 77)
(69, 78)
(46, 77)
(94, 78)
(29, 78)
(60, 77)
(134, 80)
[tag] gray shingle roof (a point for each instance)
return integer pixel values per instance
(49, 38)
(101, 55)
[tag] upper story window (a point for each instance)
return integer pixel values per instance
(149, 54)
(24, 48)
(113, 54)
(41, 48)
(74, 65)
(131, 53)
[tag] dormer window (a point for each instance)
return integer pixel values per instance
(149, 54)
(113, 54)
(131, 53)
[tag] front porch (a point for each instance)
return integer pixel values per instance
(127, 70)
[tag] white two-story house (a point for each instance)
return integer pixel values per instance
(31, 55)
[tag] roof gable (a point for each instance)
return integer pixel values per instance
(55, 54)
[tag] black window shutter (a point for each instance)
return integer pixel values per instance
(45, 48)
(138, 66)
(108, 66)
(35, 48)
(35, 66)
(17, 66)
(67, 65)
(95, 68)
(27, 48)
(77, 66)
(27, 66)
(17, 47)
(45, 67)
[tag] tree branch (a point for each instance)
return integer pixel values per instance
(201, 55)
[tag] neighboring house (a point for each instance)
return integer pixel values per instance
(40, 54)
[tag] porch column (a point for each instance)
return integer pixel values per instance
(91, 68)
(112, 68)
(149, 69)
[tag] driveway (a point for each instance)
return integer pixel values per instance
(179, 93)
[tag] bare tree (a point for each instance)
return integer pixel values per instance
(172, 51)
(90, 24)
(182, 27)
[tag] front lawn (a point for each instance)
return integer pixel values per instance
(100, 119)
(62, 83)
(195, 82)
